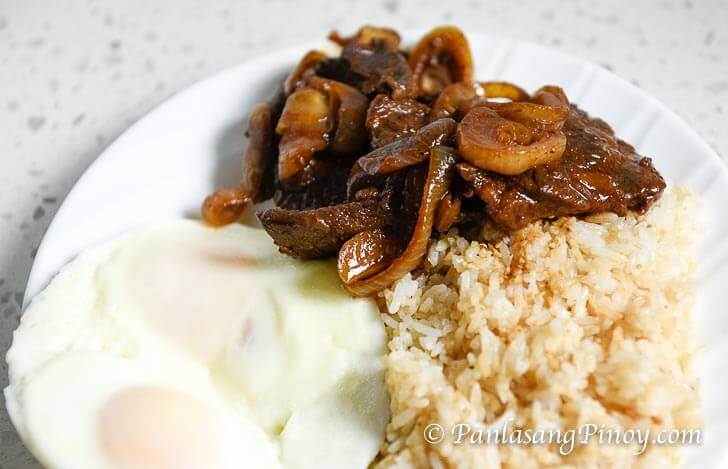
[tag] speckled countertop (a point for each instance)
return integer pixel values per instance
(75, 74)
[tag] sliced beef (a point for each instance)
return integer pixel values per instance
(321, 231)
(268, 185)
(374, 68)
(308, 234)
(400, 196)
(400, 154)
(338, 69)
(597, 173)
(321, 183)
(389, 120)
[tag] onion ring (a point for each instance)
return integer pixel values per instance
(458, 98)
(304, 127)
(227, 205)
(310, 60)
(489, 141)
(445, 46)
(447, 212)
(367, 253)
(368, 35)
(546, 111)
(350, 107)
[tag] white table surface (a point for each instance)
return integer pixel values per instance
(74, 74)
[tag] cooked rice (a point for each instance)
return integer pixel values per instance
(563, 323)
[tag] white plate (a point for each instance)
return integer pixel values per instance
(165, 164)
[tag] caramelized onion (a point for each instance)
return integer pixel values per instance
(489, 141)
(227, 205)
(446, 47)
(503, 89)
(452, 102)
(325, 114)
(458, 98)
(447, 212)
(439, 176)
(368, 35)
(304, 128)
(307, 63)
(547, 110)
(550, 95)
(400, 154)
(350, 107)
(367, 253)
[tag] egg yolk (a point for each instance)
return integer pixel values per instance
(159, 428)
(191, 298)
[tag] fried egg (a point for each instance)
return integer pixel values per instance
(179, 346)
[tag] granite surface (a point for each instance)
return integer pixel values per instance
(74, 74)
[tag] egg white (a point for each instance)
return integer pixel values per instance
(280, 363)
